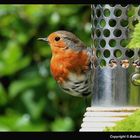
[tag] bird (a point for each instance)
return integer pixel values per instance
(72, 63)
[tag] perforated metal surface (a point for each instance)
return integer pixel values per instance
(112, 26)
(111, 30)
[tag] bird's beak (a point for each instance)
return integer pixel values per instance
(43, 39)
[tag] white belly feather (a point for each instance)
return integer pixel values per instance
(77, 85)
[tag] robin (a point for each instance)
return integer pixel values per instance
(72, 63)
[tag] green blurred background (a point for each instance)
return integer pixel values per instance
(30, 99)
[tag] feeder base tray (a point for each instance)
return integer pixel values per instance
(97, 118)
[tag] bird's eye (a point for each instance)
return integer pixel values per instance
(57, 38)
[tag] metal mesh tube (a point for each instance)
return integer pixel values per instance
(112, 26)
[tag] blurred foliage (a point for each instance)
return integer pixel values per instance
(130, 123)
(30, 99)
(135, 41)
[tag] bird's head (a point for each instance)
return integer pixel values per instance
(63, 40)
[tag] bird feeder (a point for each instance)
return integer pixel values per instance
(116, 92)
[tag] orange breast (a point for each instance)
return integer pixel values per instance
(66, 61)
